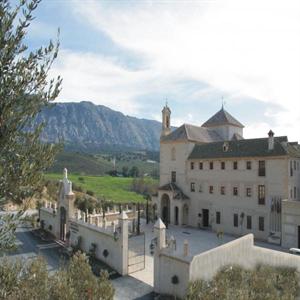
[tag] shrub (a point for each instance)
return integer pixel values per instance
(234, 282)
(89, 192)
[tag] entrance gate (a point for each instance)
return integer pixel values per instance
(136, 253)
(63, 221)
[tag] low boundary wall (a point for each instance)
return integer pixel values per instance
(205, 265)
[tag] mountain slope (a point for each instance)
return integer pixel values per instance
(88, 127)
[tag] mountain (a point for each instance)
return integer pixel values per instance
(88, 127)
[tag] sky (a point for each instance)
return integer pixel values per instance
(133, 55)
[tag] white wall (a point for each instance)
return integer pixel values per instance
(46, 214)
(205, 265)
(104, 239)
(290, 223)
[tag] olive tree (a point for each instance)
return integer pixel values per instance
(25, 90)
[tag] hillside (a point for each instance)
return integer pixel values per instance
(92, 128)
(101, 163)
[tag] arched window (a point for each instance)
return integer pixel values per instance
(167, 121)
(173, 154)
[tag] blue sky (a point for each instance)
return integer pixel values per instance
(132, 55)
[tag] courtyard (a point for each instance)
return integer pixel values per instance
(138, 285)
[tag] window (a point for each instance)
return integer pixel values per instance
(235, 165)
(235, 220)
(261, 168)
(211, 165)
(211, 189)
(200, 165)
(248, 192)
(192, 186)
(295, 167)
(218, 217)
(225, 147)
(173, 154)
(235, 191)
(261, 223)
(222, 190)
(248, 165)
(223, 165)
(249, 222)
(192, 165)
(291, 168)
(200, 188)
(261, 195)
(295, 192)
(173, 176)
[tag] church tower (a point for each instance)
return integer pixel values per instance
(166, 120)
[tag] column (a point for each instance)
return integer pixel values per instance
(123, 243)
(160, 234)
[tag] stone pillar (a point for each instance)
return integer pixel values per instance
(123, 243)
(78, 214)
(83, 216)
(160, 235)
(185, 248)
(97, 221)
(89, 219)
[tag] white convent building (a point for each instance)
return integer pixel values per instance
(211, 177)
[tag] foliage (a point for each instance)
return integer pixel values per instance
(24, 91)
(234, 282)
(84, 203)
(8, 226)
(144, 187)
(111, 189)
(32, 281)
(134, 171)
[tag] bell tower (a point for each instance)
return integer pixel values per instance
(166, 120)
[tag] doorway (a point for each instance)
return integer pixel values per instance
(205, 214)
(185, 215)
(176, 215)
(63, 214)
(165, 209)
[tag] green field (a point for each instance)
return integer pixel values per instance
(116, 189)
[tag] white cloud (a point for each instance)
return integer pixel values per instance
(245, 48)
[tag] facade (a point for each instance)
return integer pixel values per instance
(211, 177)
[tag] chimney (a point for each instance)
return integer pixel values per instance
(271, 140)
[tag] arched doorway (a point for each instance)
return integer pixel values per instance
(165, 209)
(185, 214)
(176, 213)
(63, 221)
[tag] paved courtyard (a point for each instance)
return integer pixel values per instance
(199, 241)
